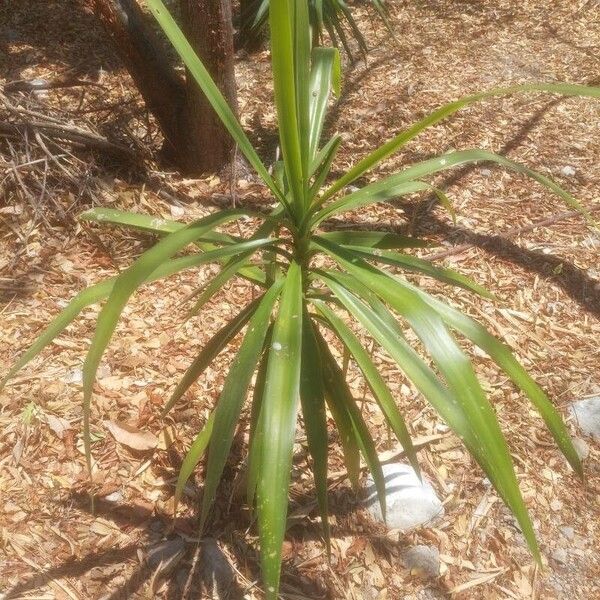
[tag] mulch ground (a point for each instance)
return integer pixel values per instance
(510, 235)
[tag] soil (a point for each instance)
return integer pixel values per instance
(511, 235)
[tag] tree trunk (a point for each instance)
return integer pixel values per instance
(195, 140)
(208, 27)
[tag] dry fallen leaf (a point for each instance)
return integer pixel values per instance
(57, 424)
(131, 436)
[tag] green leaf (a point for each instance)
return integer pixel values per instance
(322, 165)
(278, 426)
(458, 373)
(211, 91)
(367, 195)
(208, 353)
(387, 333)
(255, 434)
(375, 381)
(502, 355)
(325, 77)
(237, 265)
(412, 263)
(192, 458)
(312, 397)
(281, 15)
(90, 296)
(124, 286)
(445, 111)
(387, 188)
(343, 402)
(231, 400)
(302, 60)
(372, 239)
(216, 284)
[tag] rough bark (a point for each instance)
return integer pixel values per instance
(195, 141)
(209, 29)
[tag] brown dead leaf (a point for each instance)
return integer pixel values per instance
(131, 436)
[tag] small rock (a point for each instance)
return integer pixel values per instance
(423, 561)
(486, 172)
(217, 573)
(568, 171)
(560, 556)
(168, 552)
(568, 532)
(587, 414)
(581, 447)
(409, 501)
(114, 497)
(74, 376)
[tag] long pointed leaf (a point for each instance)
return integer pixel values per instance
(325, 77)
(341, 398)
(232, 397)
(278, 423)
(192, 458)
(126, 284)
(502, 355)
(459, 374)
(211, 91)
(445, 111)
(312, 397)
(374, 379)
(373, 239)
(208, 353)
(412, 263)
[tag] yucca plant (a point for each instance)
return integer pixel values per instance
(333, 17)
(313, 283)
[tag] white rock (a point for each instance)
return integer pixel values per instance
(422, 560)
(560, 556)
(581, 447)
(568, 532)
(409, 502)
(587, 415)
(568, 171)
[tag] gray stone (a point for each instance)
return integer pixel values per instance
(581, 447)
(217, 573)
(568, 532)
(568, 171)
(423, 561)
(167, 553)
(560, 556)
(587, 415)
(409, 502)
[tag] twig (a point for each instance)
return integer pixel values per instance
(67, 132)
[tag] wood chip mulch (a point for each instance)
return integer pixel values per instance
(510, 235)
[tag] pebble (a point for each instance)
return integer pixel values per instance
(217, 573)
(587, 415)
(560, 556)
(568, 171)
(410, 502)
(581, 447)
(568, 532)
(423, 561)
